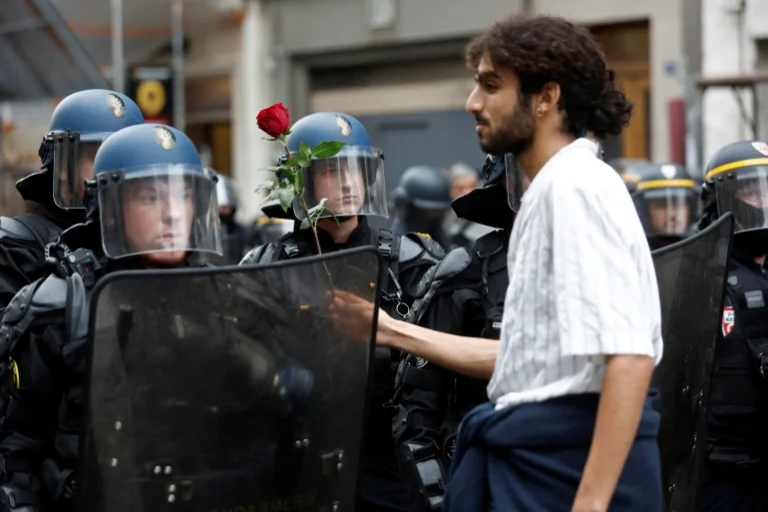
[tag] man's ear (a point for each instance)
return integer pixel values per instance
(547, 100)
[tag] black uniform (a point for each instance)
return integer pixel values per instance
(23, 238)
(407, 259)
(737, 469)
(463, 295)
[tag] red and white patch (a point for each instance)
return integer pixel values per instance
(762, 147)
(729, 320)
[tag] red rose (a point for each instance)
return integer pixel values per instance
(274, 120)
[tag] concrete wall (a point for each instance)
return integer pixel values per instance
(310, 26)
(729, 48)
(310, 34)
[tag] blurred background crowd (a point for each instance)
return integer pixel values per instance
(696, 70)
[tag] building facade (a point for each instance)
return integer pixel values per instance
(734, 47)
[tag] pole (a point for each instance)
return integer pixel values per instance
(118, 62)
(177, 44)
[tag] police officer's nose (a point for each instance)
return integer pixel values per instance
(173, 210)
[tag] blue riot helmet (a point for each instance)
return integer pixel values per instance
(352, 181)
(152, 196)
(79, 125)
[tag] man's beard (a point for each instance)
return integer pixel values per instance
(516, 133)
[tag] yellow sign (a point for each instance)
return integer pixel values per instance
(150, 96)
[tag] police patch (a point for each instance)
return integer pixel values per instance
(668, 171)
(116, 105)
(761, 147)
(729, 320)
(165, 138)
(344, 125)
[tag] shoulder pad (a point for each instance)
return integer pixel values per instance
(12, 228)
(44, 295)
(257, 255)
(454, 263)
(414, 246)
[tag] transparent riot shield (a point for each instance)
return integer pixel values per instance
(226, 389)
(691, 276)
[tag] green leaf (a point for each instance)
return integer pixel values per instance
(327, 149)
(291, 162)
(304, 224)
(305, 155)
(285, 195)
(265, 185)
(317, 210)
(274, 169)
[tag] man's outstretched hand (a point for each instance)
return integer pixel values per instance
(353, 317)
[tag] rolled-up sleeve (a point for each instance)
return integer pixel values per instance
(600, 305)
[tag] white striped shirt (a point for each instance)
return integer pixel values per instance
(581, 283)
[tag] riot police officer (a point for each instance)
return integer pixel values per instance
(79, 125)
(464, 296)
(422, 199)
(352, 182)
(149, 205)
(665, 200)
(235, 239)
(736, 467)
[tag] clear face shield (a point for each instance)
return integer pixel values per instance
(73, 156)
(167, 209)
(351, 183)
(667, 211)
(517, 181)
(744, 192)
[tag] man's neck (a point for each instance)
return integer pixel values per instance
(339, 231)
(543, 148)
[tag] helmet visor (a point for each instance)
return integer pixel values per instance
(73, 156)
(744, 192)
(351, 183)
(160, 209)
(668, 211)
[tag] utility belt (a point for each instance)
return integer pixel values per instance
(740, 458)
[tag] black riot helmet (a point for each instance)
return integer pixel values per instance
(665, 200)
(625, 167)
(736, 181)
(487, 205)
(424, 187)
(421, 199)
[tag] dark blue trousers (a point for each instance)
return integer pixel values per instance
(530, 458)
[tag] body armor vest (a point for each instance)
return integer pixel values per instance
(737, 402)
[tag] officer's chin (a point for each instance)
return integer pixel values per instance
(164, 259)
